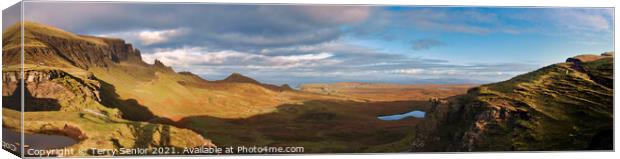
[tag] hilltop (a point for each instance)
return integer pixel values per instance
(239, 78)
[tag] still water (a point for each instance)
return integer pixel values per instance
(415, 114)
(37, 141)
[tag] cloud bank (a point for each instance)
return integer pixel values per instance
(326, 43)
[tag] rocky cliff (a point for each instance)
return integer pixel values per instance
(49, 46)
(565, 106)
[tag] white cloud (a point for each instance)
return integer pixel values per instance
(411, 71)
(148, 37)
(305, 57)
(191, 56)
(331, 46)
(155, 37)
(188, 56)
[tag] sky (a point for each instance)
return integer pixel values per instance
(297, 44)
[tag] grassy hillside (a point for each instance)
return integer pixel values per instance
(62, 93)
(565, 106)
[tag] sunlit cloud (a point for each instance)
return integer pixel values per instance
(160, 36)
(148, 37)
(188, 57)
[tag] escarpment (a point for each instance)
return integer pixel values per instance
(81, 54)
(48, 46)
(565, 106)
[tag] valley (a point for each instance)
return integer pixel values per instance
(99, 92)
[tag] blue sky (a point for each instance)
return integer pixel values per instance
(317, 43)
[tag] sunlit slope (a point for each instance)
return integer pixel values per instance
(142, 91)
(162, 93)
(177, 95)
(63, 97)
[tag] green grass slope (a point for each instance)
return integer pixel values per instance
(565, 106)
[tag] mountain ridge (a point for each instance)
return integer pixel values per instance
(50, 46)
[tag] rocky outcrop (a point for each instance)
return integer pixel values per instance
(424, 132)
(286, 87)
(589, 58)
(49, 89)
(158, 65)
(81, 54)
(71, 131)
(598, 68)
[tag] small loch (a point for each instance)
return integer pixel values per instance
(415, 114)
(38, 141)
